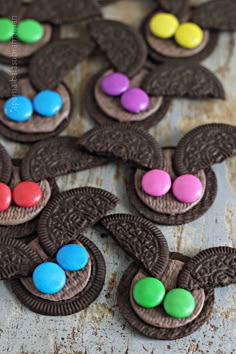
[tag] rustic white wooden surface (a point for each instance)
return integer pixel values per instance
(100, 328)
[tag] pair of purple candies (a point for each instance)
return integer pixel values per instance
(133, 100)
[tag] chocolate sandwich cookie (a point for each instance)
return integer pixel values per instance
(28, 186)
(173, 185)
(60, 272)
(143, 99)
(26, 27)
(39, 105)
(175, 31)
(171, 299)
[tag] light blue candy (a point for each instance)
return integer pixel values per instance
(72, 257)
(49, 278)
(18, 109)
(47, 103)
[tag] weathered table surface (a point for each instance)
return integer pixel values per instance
(100, 328)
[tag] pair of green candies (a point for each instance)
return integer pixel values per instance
(150, 292)
(26, 31)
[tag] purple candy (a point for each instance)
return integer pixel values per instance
(115, 84)
(135, 100)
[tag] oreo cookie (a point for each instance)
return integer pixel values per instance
(49, 17)
(46, 160)
(205, 20)
(133, 146)
(191, 274)
(183, 80)
(64, 56)
(122, 45)
(159, 84)
(107, 110)
(77, 209)
(173, 168)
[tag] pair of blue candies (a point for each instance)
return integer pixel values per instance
(47, 103)
(49, 278)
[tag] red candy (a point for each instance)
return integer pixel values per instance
(5, 197)
(27, 194)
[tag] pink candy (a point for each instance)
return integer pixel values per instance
(156, 183)
(187, 188)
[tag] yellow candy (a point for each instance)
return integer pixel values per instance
(189, 35)
(163, 25)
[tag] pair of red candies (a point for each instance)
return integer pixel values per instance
(26, 194)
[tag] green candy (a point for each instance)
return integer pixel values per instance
(179, 303)
(148, 292)
(29, 31)
(7, 29)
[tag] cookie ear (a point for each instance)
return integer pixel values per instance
(69, 213)
(16, 259)
(61, 12)
(5, 166)
(123, 46)
(131, 145)
(177, 7)
(204, 146)
(10, 8)
(211, 268)
(5, 85)
(62, 55)
(140, 239)
(56, 157)
(189, 80)
(216, 14)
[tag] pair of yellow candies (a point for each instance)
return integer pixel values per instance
(187, 35)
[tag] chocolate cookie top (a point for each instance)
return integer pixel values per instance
(194, 280)
(122, 45)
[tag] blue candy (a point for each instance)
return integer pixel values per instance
(18, 108)
(47, 103)
(72, 257)
(49, 278)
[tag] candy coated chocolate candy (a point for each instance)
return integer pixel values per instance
(163, 25)
(189, 35)
(156, 182)
(135, 100)
(7, 29)
(49, 278)
(5, 196)
(187, 188)
(115, 84)
(29, 31)
(27, 194)
(148, 292)
(18, 108)
(179, 303)
(72, 257)
(47, 103)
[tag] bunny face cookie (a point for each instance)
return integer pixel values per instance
(55, 221)
(177, 32)
(130, 91)
(166, 295)
(169, 185)
(39, 105)
(43, 162)
(28, 27)
(60, 272)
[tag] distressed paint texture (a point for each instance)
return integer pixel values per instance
(100, 328)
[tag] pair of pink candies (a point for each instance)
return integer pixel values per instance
(186, 188)
(133, 100)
